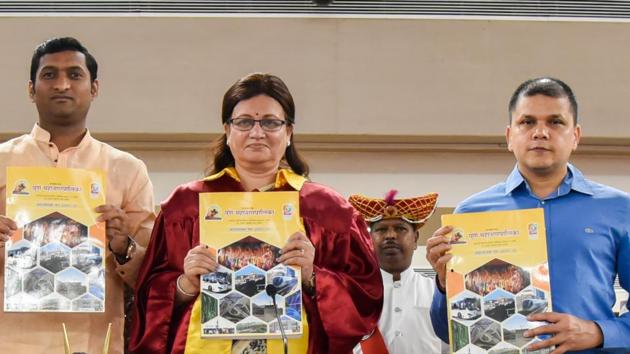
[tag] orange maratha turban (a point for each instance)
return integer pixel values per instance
(414, 210)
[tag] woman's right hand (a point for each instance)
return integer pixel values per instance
(199, 260)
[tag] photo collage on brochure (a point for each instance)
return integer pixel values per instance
(234, 300)
(55, 261)
(490, 314)
(246, 231)
(498, 275)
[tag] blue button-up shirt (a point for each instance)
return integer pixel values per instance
(588, 244)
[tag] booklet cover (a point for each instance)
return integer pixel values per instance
(55, 261)
(497, 277)
(247, 230)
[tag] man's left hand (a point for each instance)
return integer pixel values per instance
(117, 229)
(569, 333)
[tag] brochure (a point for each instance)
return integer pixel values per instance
(247, 230)
(55, 261)
(497, 277)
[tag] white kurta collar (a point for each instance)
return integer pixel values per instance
(388, 278)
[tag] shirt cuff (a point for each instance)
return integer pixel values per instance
(438, 286)
(129, 271)
(439, 315)
(613, 335)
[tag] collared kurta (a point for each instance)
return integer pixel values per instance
(405, 323)
(349, 289)
(127, 186)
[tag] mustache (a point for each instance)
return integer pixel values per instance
(390, 244)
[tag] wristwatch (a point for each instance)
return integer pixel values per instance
(131, 248)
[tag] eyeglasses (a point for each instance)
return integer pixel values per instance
(267, 124)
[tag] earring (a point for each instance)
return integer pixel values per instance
(288, 143)
(227, 141)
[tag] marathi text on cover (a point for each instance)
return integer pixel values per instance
(247, 230)
(55, 261)
(498, 275)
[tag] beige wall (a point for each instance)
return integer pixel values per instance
(349, 76)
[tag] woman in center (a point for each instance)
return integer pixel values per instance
(342, 287)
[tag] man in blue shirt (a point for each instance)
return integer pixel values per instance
(588, 241)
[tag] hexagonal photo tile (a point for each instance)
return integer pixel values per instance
(540, 276)
(218, 325)
(54, 257)
(21, 302)
(250, 280)
(209, 307)
(73, 233)
(283, 278)
(290, 326)
(262, 307)
(499, 305)
(251, 325)
(515, 326)
(22, 255)
(54, 302)
(294, 305)
(460, 335)
(217, 283)
(87, 303)
(96, 280)
(485, 333)
(531, 300)
(504, 348)
(255, 251)
(57, 227)
(38, 283)
(497, 274)
(86, 257)
(234, 307)
(33, 232)
(539, 351)
(71, 283)
(38, 231)
(12, 282)
(466, 307)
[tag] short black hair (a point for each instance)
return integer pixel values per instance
(62, 44)
(546, 86)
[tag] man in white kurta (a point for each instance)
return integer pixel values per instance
(405, 323)
(405, 326)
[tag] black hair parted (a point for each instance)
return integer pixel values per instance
(245, 88)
